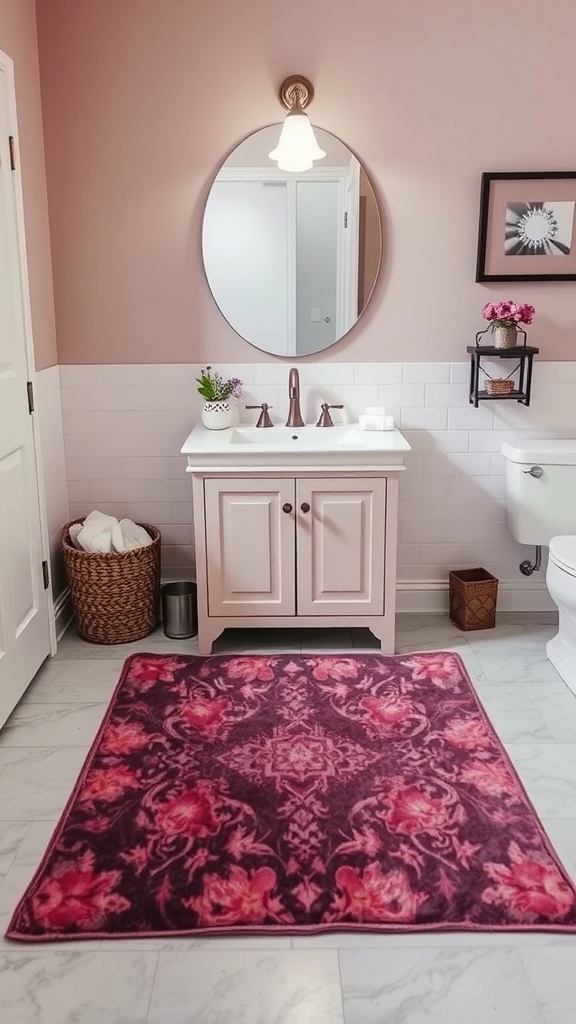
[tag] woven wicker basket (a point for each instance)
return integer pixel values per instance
(473, 594)
(498, 386)
(115, 596)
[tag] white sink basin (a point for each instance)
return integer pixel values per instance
(243, 446)
(318, 438)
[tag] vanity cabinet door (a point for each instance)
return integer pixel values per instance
(250, 547)
(341, 525)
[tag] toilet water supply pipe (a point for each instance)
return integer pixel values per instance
(527, 567)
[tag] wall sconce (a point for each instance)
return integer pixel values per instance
(297, 147)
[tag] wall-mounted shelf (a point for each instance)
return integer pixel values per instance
(523, 353)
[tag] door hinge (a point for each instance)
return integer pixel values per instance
(346, 219)
(45, 575)
(30, 390)
(12, 148)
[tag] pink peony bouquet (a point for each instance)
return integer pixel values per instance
(508, 313)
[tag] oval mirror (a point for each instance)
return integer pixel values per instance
(291, 259)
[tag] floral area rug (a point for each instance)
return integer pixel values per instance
(293, 795)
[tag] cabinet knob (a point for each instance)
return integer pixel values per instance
(286, 507)
(305, 506)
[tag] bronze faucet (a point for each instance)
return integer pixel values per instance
(294, 414)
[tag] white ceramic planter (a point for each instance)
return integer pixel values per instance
(216, 415)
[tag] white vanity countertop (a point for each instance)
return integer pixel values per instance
(257, 447)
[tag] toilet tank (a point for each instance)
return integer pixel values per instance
(541, 505)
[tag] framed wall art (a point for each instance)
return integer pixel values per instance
(527, 229)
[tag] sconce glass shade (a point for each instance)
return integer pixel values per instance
(297, 147)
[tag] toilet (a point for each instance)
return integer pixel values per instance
(541, 490)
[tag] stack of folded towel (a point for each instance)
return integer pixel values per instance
(104, 534)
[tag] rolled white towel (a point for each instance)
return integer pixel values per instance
(73, 532)
(134, 536)
(118, 538)
(103, 542)
(94, 525)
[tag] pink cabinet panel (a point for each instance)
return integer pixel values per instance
(341, 526)
(250, 547)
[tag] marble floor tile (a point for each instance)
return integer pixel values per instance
(36, 782)
(24, 864)
(412, 635)
(210, 944)
(75, 987)
(432, 940)
(553, 979)
(518, 724)
(442, 986)
(11, 835)
(562, 833)
(548, 772)
(558, 710)
(517, 663)
(62, 725)
(287, 987)
(530, 619)
(65, 682)
(498, 639)
(72, 647)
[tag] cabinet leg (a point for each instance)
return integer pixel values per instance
(385, 632)
(208, 632)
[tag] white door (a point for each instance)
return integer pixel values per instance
(250, 547)
(247, 272)
(24, 616)
(317, 233)
(340, 540)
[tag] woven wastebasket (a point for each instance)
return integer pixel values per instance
(115, 596)
(473, 595)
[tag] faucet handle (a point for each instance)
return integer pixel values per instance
(325, 419)
(263, 419)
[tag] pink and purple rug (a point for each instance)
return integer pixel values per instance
(291, 795)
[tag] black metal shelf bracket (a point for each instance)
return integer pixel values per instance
(523, 353)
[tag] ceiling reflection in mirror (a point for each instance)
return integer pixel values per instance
(291, 258)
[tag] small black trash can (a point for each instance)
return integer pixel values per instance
(180, 610)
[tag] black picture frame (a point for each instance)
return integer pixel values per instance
(531, 189)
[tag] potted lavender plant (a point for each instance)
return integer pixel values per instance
(216, 392)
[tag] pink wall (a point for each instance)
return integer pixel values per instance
(143, 99)
(18, 40)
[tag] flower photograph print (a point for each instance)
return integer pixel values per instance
(539, 229)
(527, 214)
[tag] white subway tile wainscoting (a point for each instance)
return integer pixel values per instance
(124, 426)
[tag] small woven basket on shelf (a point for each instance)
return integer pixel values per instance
(499, 386)
(115, 596)
(473, 595)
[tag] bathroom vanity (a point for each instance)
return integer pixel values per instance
(295, 527)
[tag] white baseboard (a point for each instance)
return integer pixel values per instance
(62, 613)
(433, 596)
